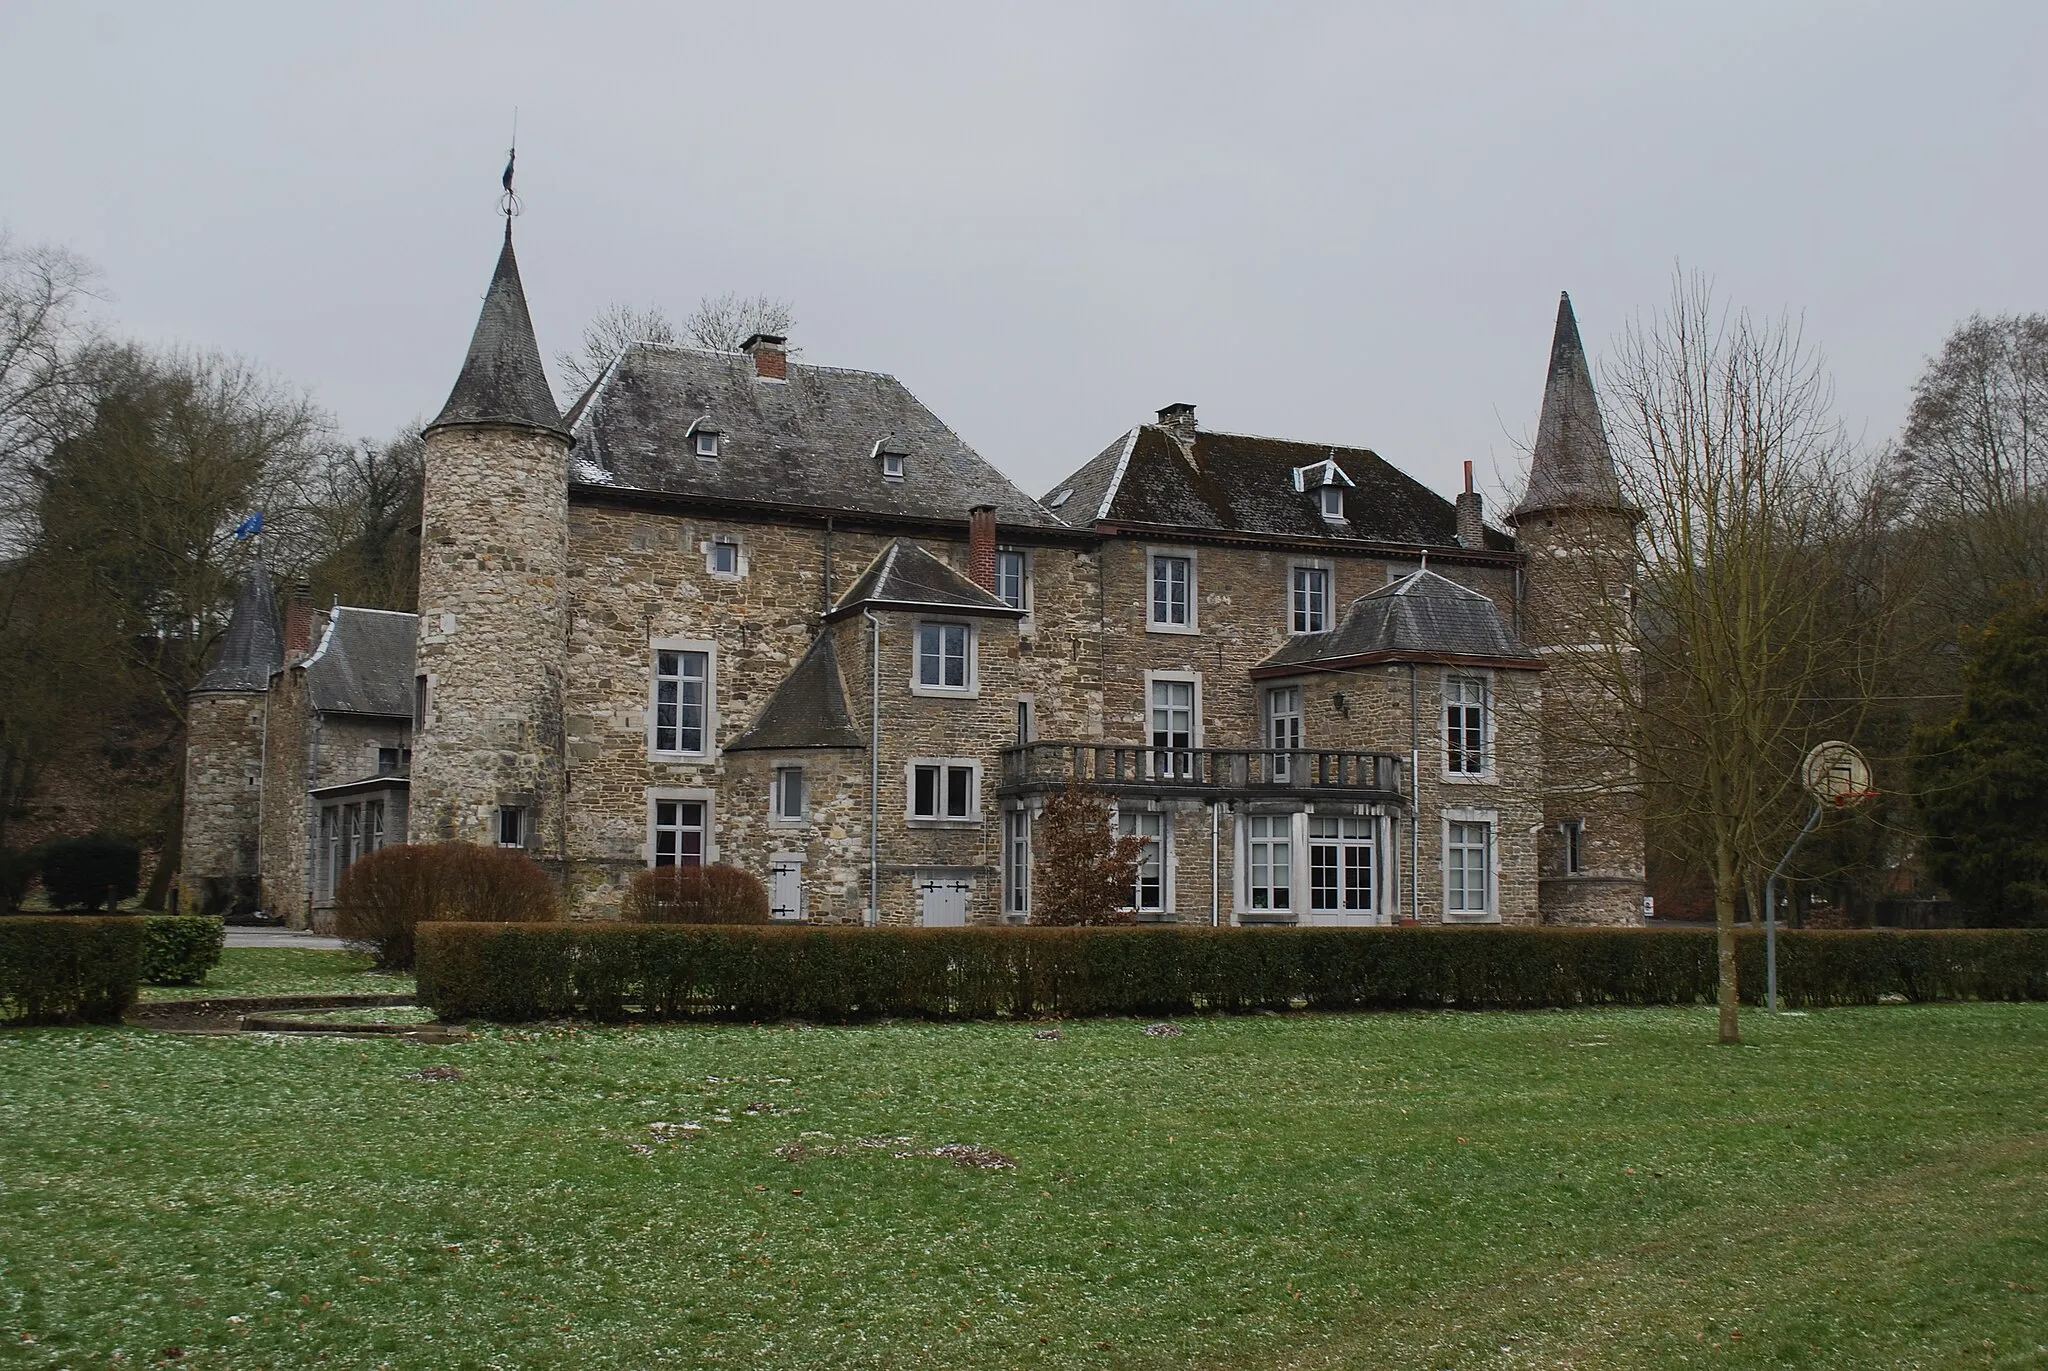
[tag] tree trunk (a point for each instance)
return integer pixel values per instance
(171, 855)
(1724, 942)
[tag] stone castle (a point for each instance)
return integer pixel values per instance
(736, 608)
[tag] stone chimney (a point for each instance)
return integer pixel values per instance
(1471, 514)
(771, 355)
(1179, 420)
(298, 624)
(981, 547)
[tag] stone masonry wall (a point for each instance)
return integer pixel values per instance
(223, 802)
(493, 628)
(287, 763)
(1579, 613)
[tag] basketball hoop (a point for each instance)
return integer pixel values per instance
(1836, 774)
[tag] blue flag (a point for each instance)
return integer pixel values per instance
(249, 527)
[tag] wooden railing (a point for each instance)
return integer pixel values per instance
(1212, 770)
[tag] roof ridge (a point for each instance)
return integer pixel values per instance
(1116, 478)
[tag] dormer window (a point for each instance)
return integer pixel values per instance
(1327, 481)
(889, 452)
(1333, 502)
(703, 436)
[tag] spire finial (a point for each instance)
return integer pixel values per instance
(508, 203)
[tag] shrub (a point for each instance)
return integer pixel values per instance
(94, 872)
(603, 971)
(68, 969)
(17, 873)
(385, 896)
(1084, 873)
(696, 895)
(179, 949)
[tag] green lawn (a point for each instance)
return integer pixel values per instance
(286, 971)
(1861, 1188)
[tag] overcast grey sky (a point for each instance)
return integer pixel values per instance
(1341, 223)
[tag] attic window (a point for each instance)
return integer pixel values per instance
(1333, 502)
(707, 442)
(889, 452)
(1061, 498)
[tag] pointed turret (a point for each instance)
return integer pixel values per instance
(502, 381)
(251, 650)
(1573, 468)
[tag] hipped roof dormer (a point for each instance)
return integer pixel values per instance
(502, 381)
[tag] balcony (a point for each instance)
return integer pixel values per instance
(1207, 773)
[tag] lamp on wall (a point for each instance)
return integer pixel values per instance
(1343, 705)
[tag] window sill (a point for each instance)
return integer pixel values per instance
(1492, 917)
(972, 692)
(779, 822)
(1469, 778)
(681, 758)
(1265, 916)
(1185, 630)
(926, 821)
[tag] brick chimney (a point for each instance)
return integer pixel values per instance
(298, 624)
(1179, 420)
(981, 547)
(771, 355)
(1471, 514)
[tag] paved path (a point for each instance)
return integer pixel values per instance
(280, 937)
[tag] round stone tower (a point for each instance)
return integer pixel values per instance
(487, 764)
(1577, 530)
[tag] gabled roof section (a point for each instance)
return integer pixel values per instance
(502, 381)
(252, 650)
(807, 440)
(364, 664)
(905, 576)
(1572, 467)
(1423, 617)
(807, 710)
(1239, 483)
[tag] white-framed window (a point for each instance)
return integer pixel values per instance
(1340, 866)
(1170, 578)
(707, 442)
(1468, 864)
(945, 659)
(348, 833)
(1173, 707)
(788, 800)
(1308, 599)
(944, 789)
(1269, 863)
(724, 558)
(1465, 750)
(679, 828)
(1013, 578)
(512, 826)
(1283, 729)
(1572, 832)
(1153, 887)
(1017, 862)
(1333, 502)
(681, 720)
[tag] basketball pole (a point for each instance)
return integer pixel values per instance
(1771, 908)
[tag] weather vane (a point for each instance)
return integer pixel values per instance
(508, 203)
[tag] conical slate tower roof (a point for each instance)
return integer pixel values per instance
(502, 381)
(252, 648)
(1573, 468)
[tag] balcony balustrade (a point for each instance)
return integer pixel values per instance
(1210, 773)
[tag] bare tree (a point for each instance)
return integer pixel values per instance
(618, 327)
(1741, 654)
(1973, 466)
(364, 517)
(43, 386)
(725, 322)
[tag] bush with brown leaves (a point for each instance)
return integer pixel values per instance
(385, 896)
(696, 895)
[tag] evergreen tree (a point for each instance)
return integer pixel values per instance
(1982, 778)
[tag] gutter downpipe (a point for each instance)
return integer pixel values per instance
(1215, 895)
(1414, 796)
(874, 917)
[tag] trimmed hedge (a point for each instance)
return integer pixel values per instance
(513, 972)
(92, 872)
(179, 949)
(67, 969)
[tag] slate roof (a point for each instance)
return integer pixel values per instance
(1572, 466)
(364, 664)
(807, 710)
(502, 381)
(1421, 617)
(905, 576)
(809, 440)
(1239, 483)
(252, 650)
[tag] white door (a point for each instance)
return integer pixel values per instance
(942, 901)
(1342, 873)
(786, 891)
